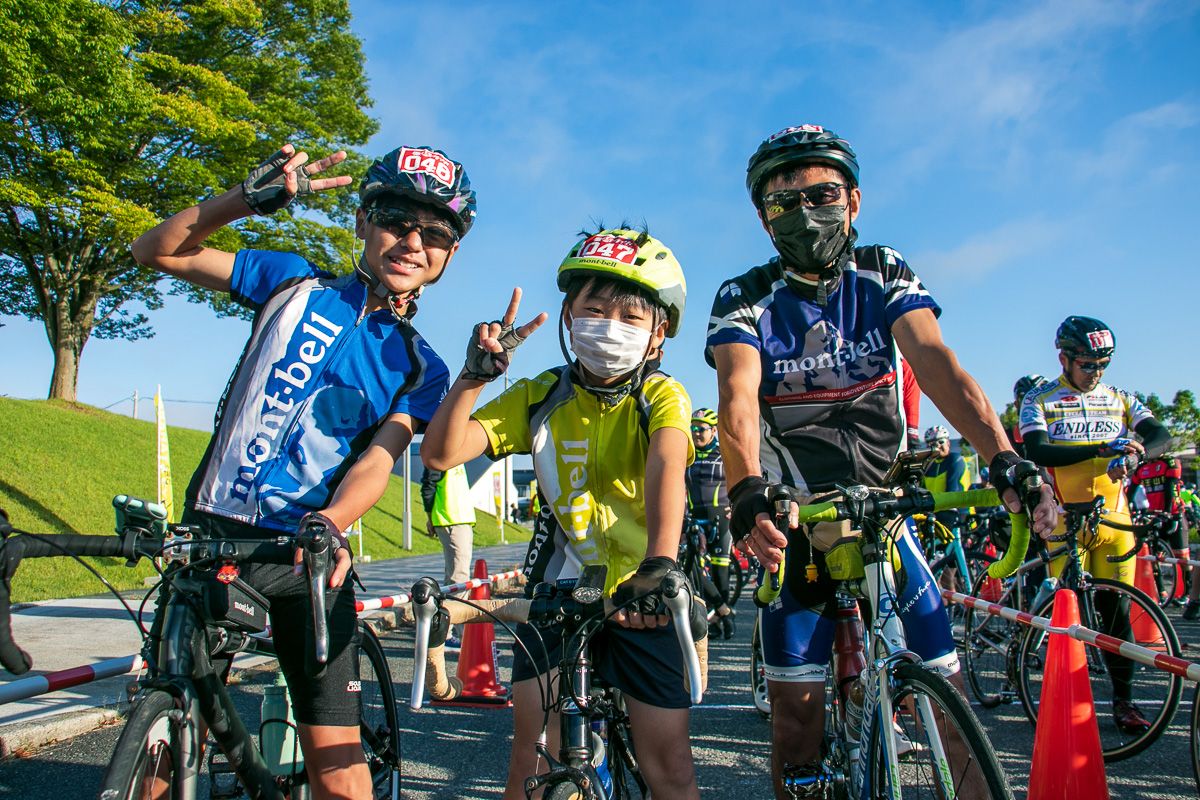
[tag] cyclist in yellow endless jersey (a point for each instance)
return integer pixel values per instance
(610, 443)
(1081, 429)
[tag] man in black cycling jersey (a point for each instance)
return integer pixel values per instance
(329, 390)
(807, 352)
(708, 502)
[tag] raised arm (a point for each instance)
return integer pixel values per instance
(174, 246)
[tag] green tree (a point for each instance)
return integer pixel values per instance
(116, 113)
(1181, 417)
(1008, 420)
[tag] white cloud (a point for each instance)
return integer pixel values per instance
(1008, 245)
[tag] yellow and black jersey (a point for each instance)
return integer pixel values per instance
(590, 462)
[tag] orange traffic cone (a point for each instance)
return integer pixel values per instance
(1067, 761)
(478, 661)
(1145, 632)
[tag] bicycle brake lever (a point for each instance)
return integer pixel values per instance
(678, 600)
(424, 606)
(315, 544)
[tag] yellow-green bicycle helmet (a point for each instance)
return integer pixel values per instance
(705, 415)
(633, 256)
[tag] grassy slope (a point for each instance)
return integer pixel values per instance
(62, 463)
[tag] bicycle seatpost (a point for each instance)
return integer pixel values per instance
(678, 601)
(315, 544)
(424, 606)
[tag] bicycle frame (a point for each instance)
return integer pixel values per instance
(887, 645)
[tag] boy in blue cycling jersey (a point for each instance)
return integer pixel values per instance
(610, 442)
(327, 394)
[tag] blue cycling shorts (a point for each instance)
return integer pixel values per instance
(797, 634)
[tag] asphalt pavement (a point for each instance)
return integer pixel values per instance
(82, 631)
(461, 752)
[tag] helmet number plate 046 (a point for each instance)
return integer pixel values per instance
(616, 248)
(436, 165)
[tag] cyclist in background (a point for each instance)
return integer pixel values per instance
(1162, 482)
(1191, 513)
(1020, 389)
(807, 352)
(709, 502)
(947, 473)
(336, 364)
(609, 437)
(1081, 430)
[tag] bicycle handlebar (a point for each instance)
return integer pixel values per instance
(882, 504)
(427, 601)
(131, 545)
(314, 541)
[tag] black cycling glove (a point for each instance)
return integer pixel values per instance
(482, 365)
(747, 499)
(1008, 471)
(338, 541)
(648, 578)
(265, 189)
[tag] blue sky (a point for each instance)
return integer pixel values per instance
(1029, 160)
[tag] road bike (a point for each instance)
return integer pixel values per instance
(205, 613)
(1116, 609)
(596, 759)
(695, 559)
(1171, 581)
(894, 728)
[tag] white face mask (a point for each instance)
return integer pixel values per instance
(608, 348)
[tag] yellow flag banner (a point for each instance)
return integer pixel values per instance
(166, 497)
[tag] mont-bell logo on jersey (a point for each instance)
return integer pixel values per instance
(1099, 339)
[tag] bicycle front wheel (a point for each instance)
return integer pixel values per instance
(737, 579)
(758, 678)
(1154, 692)
(987, 640)
(1166, 576)
(379, 722)
(929, 712)
(146, 761)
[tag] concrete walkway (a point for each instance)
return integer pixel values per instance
(62, 634)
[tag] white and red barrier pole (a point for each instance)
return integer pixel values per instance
(400, 599)
(25, 688)
(1144, 655)
(1165, 560)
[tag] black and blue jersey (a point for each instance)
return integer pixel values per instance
(831, 392)
(316, 379)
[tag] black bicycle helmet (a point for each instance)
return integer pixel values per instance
(1023, 385)
(1086, 337)
(425, 175)
(798, 144)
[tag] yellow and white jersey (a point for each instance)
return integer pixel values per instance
(1070, 418)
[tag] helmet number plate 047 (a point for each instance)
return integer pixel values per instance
(436, 165)
(616, 248)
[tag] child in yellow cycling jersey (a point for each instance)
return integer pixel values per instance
(609, 436)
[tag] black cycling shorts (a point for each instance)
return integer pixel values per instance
(321, 695)
(645, 664)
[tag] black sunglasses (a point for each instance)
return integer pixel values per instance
(400, 223)
(1092, 366)
(819, 194)
(701, 428)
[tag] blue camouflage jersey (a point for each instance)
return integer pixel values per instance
(830, 397)
(317, 378)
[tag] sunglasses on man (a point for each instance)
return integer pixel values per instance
(400, 223)
(1091, 366)
(819, 194)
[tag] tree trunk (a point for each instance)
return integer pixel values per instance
(69, 324)
(65, 380)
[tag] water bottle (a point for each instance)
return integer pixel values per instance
(277, 736)
(854, 709)
(1046, 590)
(600, 755)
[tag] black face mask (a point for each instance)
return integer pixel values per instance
(810, 240)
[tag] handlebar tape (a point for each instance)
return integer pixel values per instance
(12, 657)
